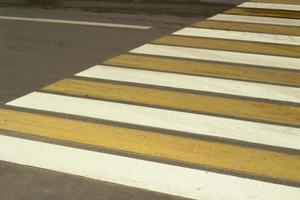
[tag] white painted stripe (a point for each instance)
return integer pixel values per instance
(198, 83)
(166, 119)
(174, 180)
(273, 6)
(254, 19)
(220, 56)
(238, 35)
(58, 21)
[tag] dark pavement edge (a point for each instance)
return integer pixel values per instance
(230, 2)
(174, 7)
(20, 182)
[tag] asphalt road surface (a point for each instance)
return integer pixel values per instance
(35, 54)
(176, 104)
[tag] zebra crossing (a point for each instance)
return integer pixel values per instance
(211, 111)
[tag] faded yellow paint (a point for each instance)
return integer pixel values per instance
(231, 45)
(278, 1)
(249, 27)
(179, 100)
(264, 12)
(215, 69)
(211, 154)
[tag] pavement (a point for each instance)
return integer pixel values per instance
(36, 54)
(164, 107)
(185, 9)
(33, 55)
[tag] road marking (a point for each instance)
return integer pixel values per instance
(238, 35)
(232, 158)
(223, 86)
(261, 133)
(255, 19)
(220, 56)
(155, 101)
(249, 27)
(173, 180)
(264, 13)
(165, 98)
(274, 6)
(86, 23)
(214, 69)
(230, 45)
(228, 157)
(278, 1)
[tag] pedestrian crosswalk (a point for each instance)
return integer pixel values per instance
(248, 24)
(256, 19)
(211, 111)
(230, 45)
(209, 69)
(235, 35)
(272, 6)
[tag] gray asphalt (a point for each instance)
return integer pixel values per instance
(34, 54)
(27, 183)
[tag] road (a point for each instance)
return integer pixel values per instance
(35, 54)
(147, 106)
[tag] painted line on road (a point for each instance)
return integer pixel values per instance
(164, 98)
(220, 56)
(249, 27)
(85, 23)
(238, 35)
(206, 68)
(278, 1)
(255, 19)
(274, 6)
(254, 132)
(229, 157)
(196, 83)
(230, 45)
(264, 13)
(174, 180)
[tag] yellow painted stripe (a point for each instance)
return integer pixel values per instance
(229, 45)
(249, 27)
(179, 100)
(229, 157)
(264, 12)
(214, 69)
(297, 2)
